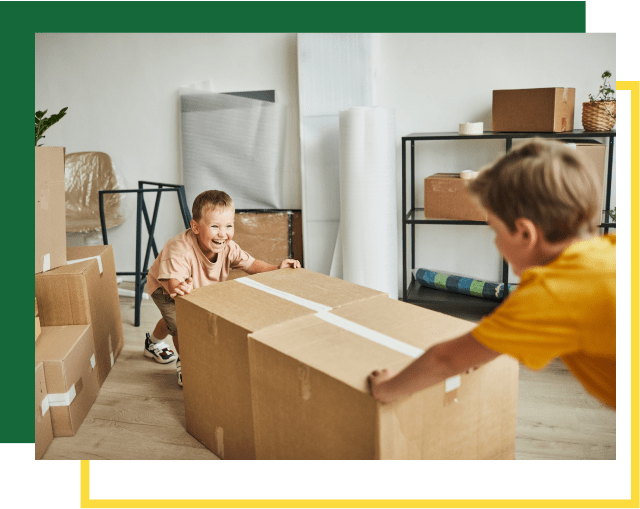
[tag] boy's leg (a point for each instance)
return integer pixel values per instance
(155, 346)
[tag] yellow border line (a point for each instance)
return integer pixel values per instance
(634, 501)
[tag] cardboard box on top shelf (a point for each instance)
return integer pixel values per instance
(446, 197)
(213, 323)
(43, 427)
(311, 401)
(266, 236)
(85, 293)
(71, 375)
(533, 110)
(50, 209)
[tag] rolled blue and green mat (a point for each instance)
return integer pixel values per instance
(460, 284)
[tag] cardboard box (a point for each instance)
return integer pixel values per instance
(80, 294)
(37, 321)
(533, 110)
(311, 401)
(71, 375)
(446, 197)
(43, 428)
(213, 323)
(50, 209)
(596, 154)
(265, 236)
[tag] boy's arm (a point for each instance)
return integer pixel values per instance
(176, 287)
(438, 363)
(259, 266)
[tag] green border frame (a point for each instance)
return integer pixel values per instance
(56, 484)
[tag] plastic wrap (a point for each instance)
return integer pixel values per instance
(86, 173)
(233, 144)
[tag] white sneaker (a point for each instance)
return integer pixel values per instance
(179, 372)
(160, 351)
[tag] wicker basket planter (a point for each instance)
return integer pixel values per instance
(598, 116)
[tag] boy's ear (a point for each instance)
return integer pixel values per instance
(194, 227)
(528, 231)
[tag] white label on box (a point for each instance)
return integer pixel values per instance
(452, 383)
(45, 405)
(63, 399)
(46, 262)
(283, 295)
(71, 262)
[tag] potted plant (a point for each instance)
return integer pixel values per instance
(599, 114)
(43, 123)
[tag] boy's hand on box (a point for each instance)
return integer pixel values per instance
(376, 385)
(294, 264)
(177, 287)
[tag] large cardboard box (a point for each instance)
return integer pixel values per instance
(446, 197)
(43, 428)
(71, 375)
(596, 154)
(533, 110)
(310, 397)
(213, 323)
(81, 293)
(50, 226)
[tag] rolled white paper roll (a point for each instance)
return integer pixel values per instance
(471, 128)
(468, 174)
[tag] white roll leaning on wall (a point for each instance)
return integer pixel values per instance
(368, 223)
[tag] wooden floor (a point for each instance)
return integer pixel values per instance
(139, 413)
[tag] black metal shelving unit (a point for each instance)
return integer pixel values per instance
(413, 216)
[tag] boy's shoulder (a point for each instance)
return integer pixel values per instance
(183, 241)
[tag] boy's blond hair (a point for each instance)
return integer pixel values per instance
(544, 181)
(210, 200)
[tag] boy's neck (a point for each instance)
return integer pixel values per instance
(549, 251)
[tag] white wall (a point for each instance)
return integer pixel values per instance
(122, 94)
(121, 90)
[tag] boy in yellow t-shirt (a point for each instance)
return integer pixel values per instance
(541, 202)
(202, 255)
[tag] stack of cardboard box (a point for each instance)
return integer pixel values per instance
(275, 365)
(78, 324)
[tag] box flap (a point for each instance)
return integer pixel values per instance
(368, 335)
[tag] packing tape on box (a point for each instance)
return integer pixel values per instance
(468, 174)
(93, 361)
(471, 128)
(46, 262)
(71, 262)
(324, 314)
(45, 405)
(63, 399)
(283, 295)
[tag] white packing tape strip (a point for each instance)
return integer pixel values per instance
(283, 295)
(468, 174)
(46, 262)
(324, 314)
(45, 405)
(63, 399)
(471, 128)
(71, 262)
(93, 361)
(112, 360)
(371, 335)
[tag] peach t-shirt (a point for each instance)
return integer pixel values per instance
(182, 258)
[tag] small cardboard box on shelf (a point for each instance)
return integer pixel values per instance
(533, 110)
(446, 197)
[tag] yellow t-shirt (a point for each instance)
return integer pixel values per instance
(564, 309)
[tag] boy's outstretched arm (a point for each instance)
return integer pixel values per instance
(440, 362)
(259, 266)
(176, 287)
